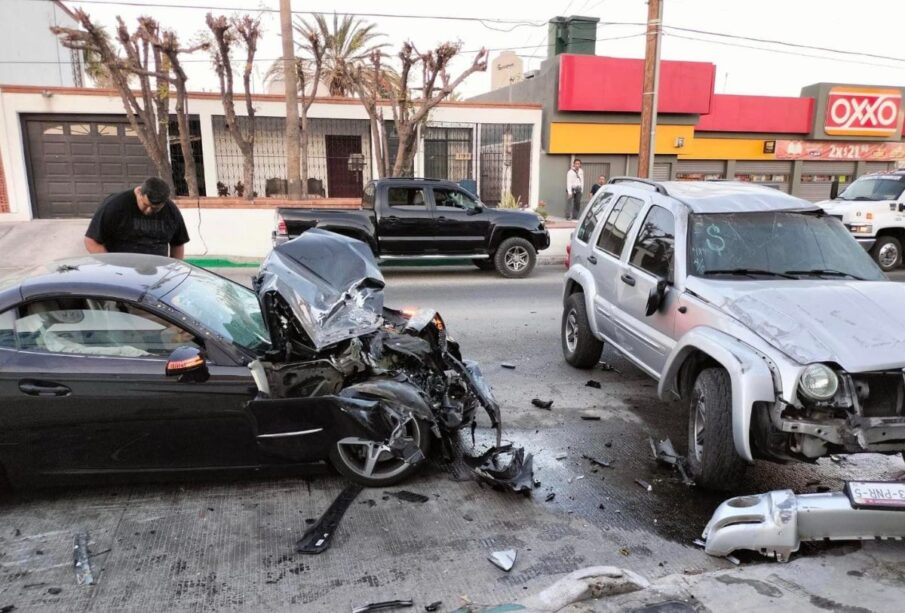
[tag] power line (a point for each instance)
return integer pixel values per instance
(780, 51)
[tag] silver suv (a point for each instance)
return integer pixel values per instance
(756, 308)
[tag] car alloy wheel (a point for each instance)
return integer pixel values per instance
(372, 459)
(700, 416)
(572, 331)
(888, 256)
(517, 258)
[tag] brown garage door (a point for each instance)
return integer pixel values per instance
(76, 161)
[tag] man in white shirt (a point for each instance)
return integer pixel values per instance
(574, 189)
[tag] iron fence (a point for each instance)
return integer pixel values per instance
(505, 163)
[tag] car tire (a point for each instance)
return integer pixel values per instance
(484, 263)
(345, 463)
(887, 253)
(515, 258)
(712, 459)
(580, 347)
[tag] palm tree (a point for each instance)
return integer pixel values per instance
(350, 42)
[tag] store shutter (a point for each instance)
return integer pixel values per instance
(695, 170)
(817, 178)
(878, 167)
(773, 173)
(661, 172)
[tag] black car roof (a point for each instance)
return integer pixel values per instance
(122, 276)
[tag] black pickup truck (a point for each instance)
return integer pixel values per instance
(429, 218)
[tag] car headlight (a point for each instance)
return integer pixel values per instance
(818, 382)
(862, 229)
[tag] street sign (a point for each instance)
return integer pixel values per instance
(862, 111)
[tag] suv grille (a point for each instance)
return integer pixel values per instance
(880, 394)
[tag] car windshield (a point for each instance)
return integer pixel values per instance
(776, 245)
(224, 307)
(883, 187)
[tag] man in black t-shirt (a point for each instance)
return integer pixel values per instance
(140, 220)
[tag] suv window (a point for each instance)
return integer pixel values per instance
(88, 326)
(586, 229)
(406, 197)
(367, 198)
(618, 224)
(654, 247)
(453, 198)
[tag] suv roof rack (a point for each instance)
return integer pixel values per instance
(657, 186)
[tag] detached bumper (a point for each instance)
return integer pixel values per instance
(774, 524)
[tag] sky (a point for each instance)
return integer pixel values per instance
(742, 66)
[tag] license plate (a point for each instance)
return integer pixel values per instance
(876, 494)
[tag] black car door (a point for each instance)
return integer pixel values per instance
(405, 225)
(85, 390)
(462, 226)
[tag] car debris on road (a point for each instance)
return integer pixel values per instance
(666, 454)
(83, 572)
(503, 560)
(383, 606)
(542, 404)
(319, 536)
(516, 475)
(775, 523)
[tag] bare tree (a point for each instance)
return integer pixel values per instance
(225, 32)
(167, 44)
(376, 92)
(313, 47)
(148, 109)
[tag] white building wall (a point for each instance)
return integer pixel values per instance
(16, 101)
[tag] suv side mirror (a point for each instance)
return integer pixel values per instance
(834, 188)
(655, 298)
(902, 207)
(188, 363)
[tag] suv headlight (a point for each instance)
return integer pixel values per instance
(865, 228)
(818, 382)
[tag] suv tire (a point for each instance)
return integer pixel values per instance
(887, 253)
(712, 458)
(580, 347)
(515, 258)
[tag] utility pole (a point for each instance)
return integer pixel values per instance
(647, 146)
(293, 151)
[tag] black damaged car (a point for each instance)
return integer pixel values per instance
(130, 364)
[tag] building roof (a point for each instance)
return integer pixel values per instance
(733, 197)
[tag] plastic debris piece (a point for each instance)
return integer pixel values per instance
(607, 367)
(597, 461)
(550, 496)
(382, 606)
(625, 551)
(733, 559)
(591, 417)
(517, 475)
(503, 560)
(508, 365)
(562, 456)
(83, 574)
(579, 477)
(434, 606)
(699, 543)
(595, 384)
(319, 536)
(645, 484)
(542, 404)
(407, 496)
(666, 454)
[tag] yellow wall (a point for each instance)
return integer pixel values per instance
(588, 138)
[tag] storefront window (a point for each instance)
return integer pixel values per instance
(699, 176)
(762, 178)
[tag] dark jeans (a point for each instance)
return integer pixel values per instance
(573, 208)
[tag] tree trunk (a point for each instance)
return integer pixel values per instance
(303, 143)
(248, 172)
(292, 106)
(191, 177)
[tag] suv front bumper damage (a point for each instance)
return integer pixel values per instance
(775, 524)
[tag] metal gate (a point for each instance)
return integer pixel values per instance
(662, 171)
(817, 179)
(177, 160)
(504, 162)
(448, 153)
(773, 173)
(75, 161)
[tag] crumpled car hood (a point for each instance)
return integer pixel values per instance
(331, 283)
(858, 324)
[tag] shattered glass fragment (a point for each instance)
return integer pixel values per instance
(318, 537)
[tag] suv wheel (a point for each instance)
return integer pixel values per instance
(515, 258)
(887, 253)
(579, 345)
(712, 459)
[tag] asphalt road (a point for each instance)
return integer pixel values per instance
(228, 543)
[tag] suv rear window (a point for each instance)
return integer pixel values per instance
(586, 229)
(618, 224)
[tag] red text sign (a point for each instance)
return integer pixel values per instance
(813, 150)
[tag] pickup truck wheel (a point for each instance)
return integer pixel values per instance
(372, 465)
(712, 458)
(515, 258)
(484, 263)
(887, 253)
(579, 345)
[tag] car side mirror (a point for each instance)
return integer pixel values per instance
(834, 189)
(188, 363)
(477, 209)
(902, 207)
(655, 298)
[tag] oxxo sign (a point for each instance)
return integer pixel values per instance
(862, 111)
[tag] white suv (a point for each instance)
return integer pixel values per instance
(757, 308)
